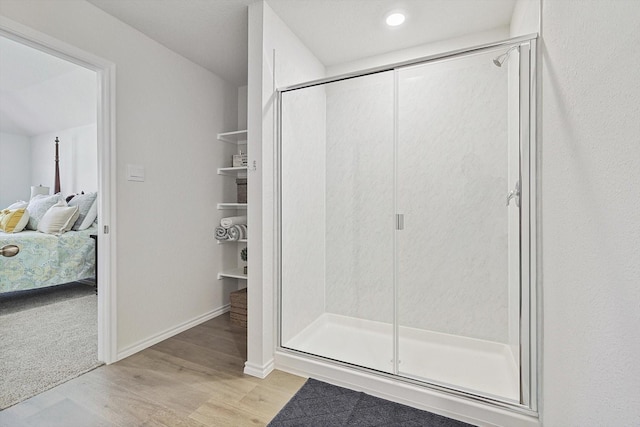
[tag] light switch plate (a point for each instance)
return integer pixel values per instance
(135, 173)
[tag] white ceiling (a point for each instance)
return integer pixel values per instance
(213, 33)
(339, 31)
(40, 93)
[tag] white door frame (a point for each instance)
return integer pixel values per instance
(106, 72)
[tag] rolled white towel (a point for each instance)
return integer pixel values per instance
(243, 231)
(237, 232)
(221, 233)
(234, 234)
(233, 220)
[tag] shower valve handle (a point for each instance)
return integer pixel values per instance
(514, 194)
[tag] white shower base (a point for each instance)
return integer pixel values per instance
(459, 362)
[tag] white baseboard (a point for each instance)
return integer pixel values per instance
(257, 370)
(459, 408)
(132, 349)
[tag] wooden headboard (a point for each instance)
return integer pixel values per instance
(56, 187)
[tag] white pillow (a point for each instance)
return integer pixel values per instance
(39, 205)
(91, 217)
(58, 219)
(18, 205)
(87, 207)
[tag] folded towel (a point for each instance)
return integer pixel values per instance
(237, 232)
(233, 220)
(222, 233)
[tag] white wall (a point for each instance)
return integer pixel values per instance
(360, 197)
(27, 161)
(242, 107)
(359, 276)
(15, 168)
(452, 184)
(78, 153)
(467, 41)
(525, 18)
(168, 113)
(304, 208)
(294, 64)
(495, 303)
(590, 212)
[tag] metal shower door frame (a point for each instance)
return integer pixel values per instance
(529, 305)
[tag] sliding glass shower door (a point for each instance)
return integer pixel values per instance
(404, 222)
(337, 213)
(455, 250)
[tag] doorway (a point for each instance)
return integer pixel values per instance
(105, 125)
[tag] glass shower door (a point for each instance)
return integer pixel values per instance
(457, 253)
(337, 220)
(405, 222)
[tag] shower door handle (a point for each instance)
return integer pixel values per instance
(399, 221)
(514, 194)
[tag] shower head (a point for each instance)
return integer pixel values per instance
(499, 60)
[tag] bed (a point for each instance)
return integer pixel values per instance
(47, 260)
(62, 250)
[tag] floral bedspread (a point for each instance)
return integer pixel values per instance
(46, 260)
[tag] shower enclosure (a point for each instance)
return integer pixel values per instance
(404, 224)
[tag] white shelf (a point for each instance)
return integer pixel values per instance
(237, 171)
(222, 242)
(239, 139)
(235, 137)
(234, 273)
(222, 206)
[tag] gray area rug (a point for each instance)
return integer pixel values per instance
(47, 337)
(325, 405)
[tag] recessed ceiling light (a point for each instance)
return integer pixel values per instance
(395, 19)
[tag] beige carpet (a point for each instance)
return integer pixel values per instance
(46, 338)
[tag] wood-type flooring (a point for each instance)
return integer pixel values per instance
(193, 379)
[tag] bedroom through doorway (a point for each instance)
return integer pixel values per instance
(55, 155)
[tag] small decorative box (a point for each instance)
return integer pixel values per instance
(239, 160)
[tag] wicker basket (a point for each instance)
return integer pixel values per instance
(239, 307)
(242, 190)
